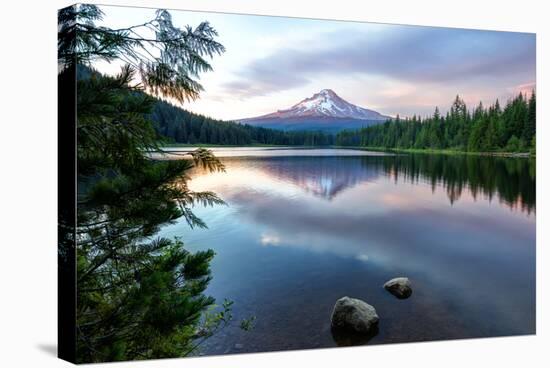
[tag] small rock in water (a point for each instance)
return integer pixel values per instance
(239, 346)
(400, 287)
(354, 315)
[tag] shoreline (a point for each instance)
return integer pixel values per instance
(375, 149)
(444, 151)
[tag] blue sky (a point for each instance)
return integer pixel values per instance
(272, 63)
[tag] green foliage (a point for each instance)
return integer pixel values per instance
(482, 130)
(514, 144)
(141, 300)
(112, 128)
(169, 64)
(138, 296)
(247, 324)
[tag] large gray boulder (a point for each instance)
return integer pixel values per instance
(400, 287)
(354, 315)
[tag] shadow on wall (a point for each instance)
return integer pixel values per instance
(50, 349)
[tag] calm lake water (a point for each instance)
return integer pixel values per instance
(303, 228)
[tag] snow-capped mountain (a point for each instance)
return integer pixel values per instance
(324, 110)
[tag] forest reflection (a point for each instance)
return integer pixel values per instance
(512, 181)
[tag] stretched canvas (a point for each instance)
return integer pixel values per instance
(237, 183)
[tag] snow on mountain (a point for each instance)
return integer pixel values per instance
(325, 104)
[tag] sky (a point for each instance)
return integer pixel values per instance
(272, 63)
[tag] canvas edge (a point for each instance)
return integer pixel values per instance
(67, 202)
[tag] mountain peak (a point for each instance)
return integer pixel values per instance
(322, 106)
(326, 103)
(327, 91)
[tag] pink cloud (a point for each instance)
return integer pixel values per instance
(525, 88)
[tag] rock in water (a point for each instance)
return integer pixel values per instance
(400, 287)
(354, 315)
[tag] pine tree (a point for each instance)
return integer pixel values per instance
(132, 286)
(484, 129)
(530, 121)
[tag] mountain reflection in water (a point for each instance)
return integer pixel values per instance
(511, 180)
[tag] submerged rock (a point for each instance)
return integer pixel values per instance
(354, 315)
(400, 287)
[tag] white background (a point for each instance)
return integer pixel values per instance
(28, 182)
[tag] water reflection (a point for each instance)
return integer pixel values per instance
(511, 180)
(301, 232)
(325, 177)
(347, 338)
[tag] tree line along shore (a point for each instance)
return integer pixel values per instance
(494, 130)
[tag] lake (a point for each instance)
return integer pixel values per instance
(303, 228)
